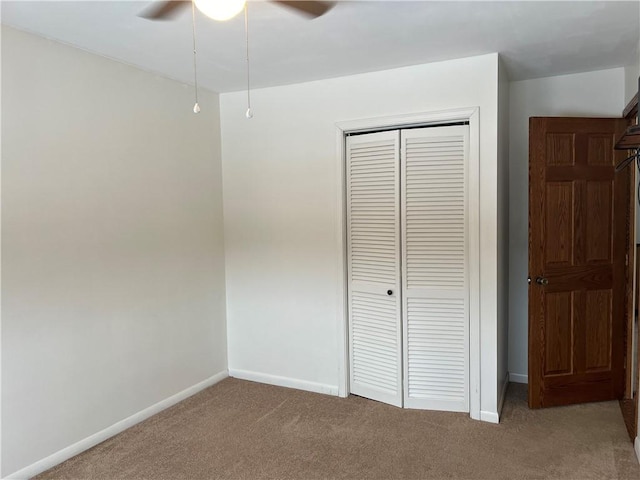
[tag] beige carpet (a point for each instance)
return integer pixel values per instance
(244, 430)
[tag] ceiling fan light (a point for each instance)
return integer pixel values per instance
(220, 9)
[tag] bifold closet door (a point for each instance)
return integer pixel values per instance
(435, 295)
(373, 234)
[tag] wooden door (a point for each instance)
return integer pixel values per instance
(577, 249)
(373, 226)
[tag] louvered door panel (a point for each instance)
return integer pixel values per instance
(435, 286)
(373, 232)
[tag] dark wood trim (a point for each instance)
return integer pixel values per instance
(630, 139)
(628, 409)
(623, 229)
(631, 110)
(630, 263)
(536, 199)
(630, 404)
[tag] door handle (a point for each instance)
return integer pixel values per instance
(389, 292)
(542, 281)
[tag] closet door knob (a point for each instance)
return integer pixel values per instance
(389, 292)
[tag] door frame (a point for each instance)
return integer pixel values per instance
(632, 369)
(630, 113)
(472, 116)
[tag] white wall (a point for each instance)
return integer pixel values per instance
(596, 94)
(503, 231)
(112, 244)
(631, 74)
(281, 190)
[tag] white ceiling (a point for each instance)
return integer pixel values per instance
(536, 39)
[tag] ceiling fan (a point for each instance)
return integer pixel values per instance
(225, 9)
(222, 10)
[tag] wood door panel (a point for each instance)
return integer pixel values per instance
(577, 243)
(559, 223)
(558, 333)
(581, 172)
(598, 222)
(560, 149)
(583, 277)
(566, 390)
(600, 150)
(598, 321)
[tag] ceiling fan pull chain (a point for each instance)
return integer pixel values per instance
(249, 112)
(196, 107)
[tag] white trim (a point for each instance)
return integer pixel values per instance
(284, 381)
(518, 378)
(490, 417)
(503, 394)
(472, 115)
(342, 281)
(406, 120)
(0, 264)
(99, 437)
(475, 358)
(636, 447)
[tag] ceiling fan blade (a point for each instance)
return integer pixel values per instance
(164, 10)
(308, 8)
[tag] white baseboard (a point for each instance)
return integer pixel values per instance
(91, 441)
(636, 447)
(494, 417)
(490, 417)
(518, 378)
(284, 381)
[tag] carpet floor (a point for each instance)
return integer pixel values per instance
(243, 430)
